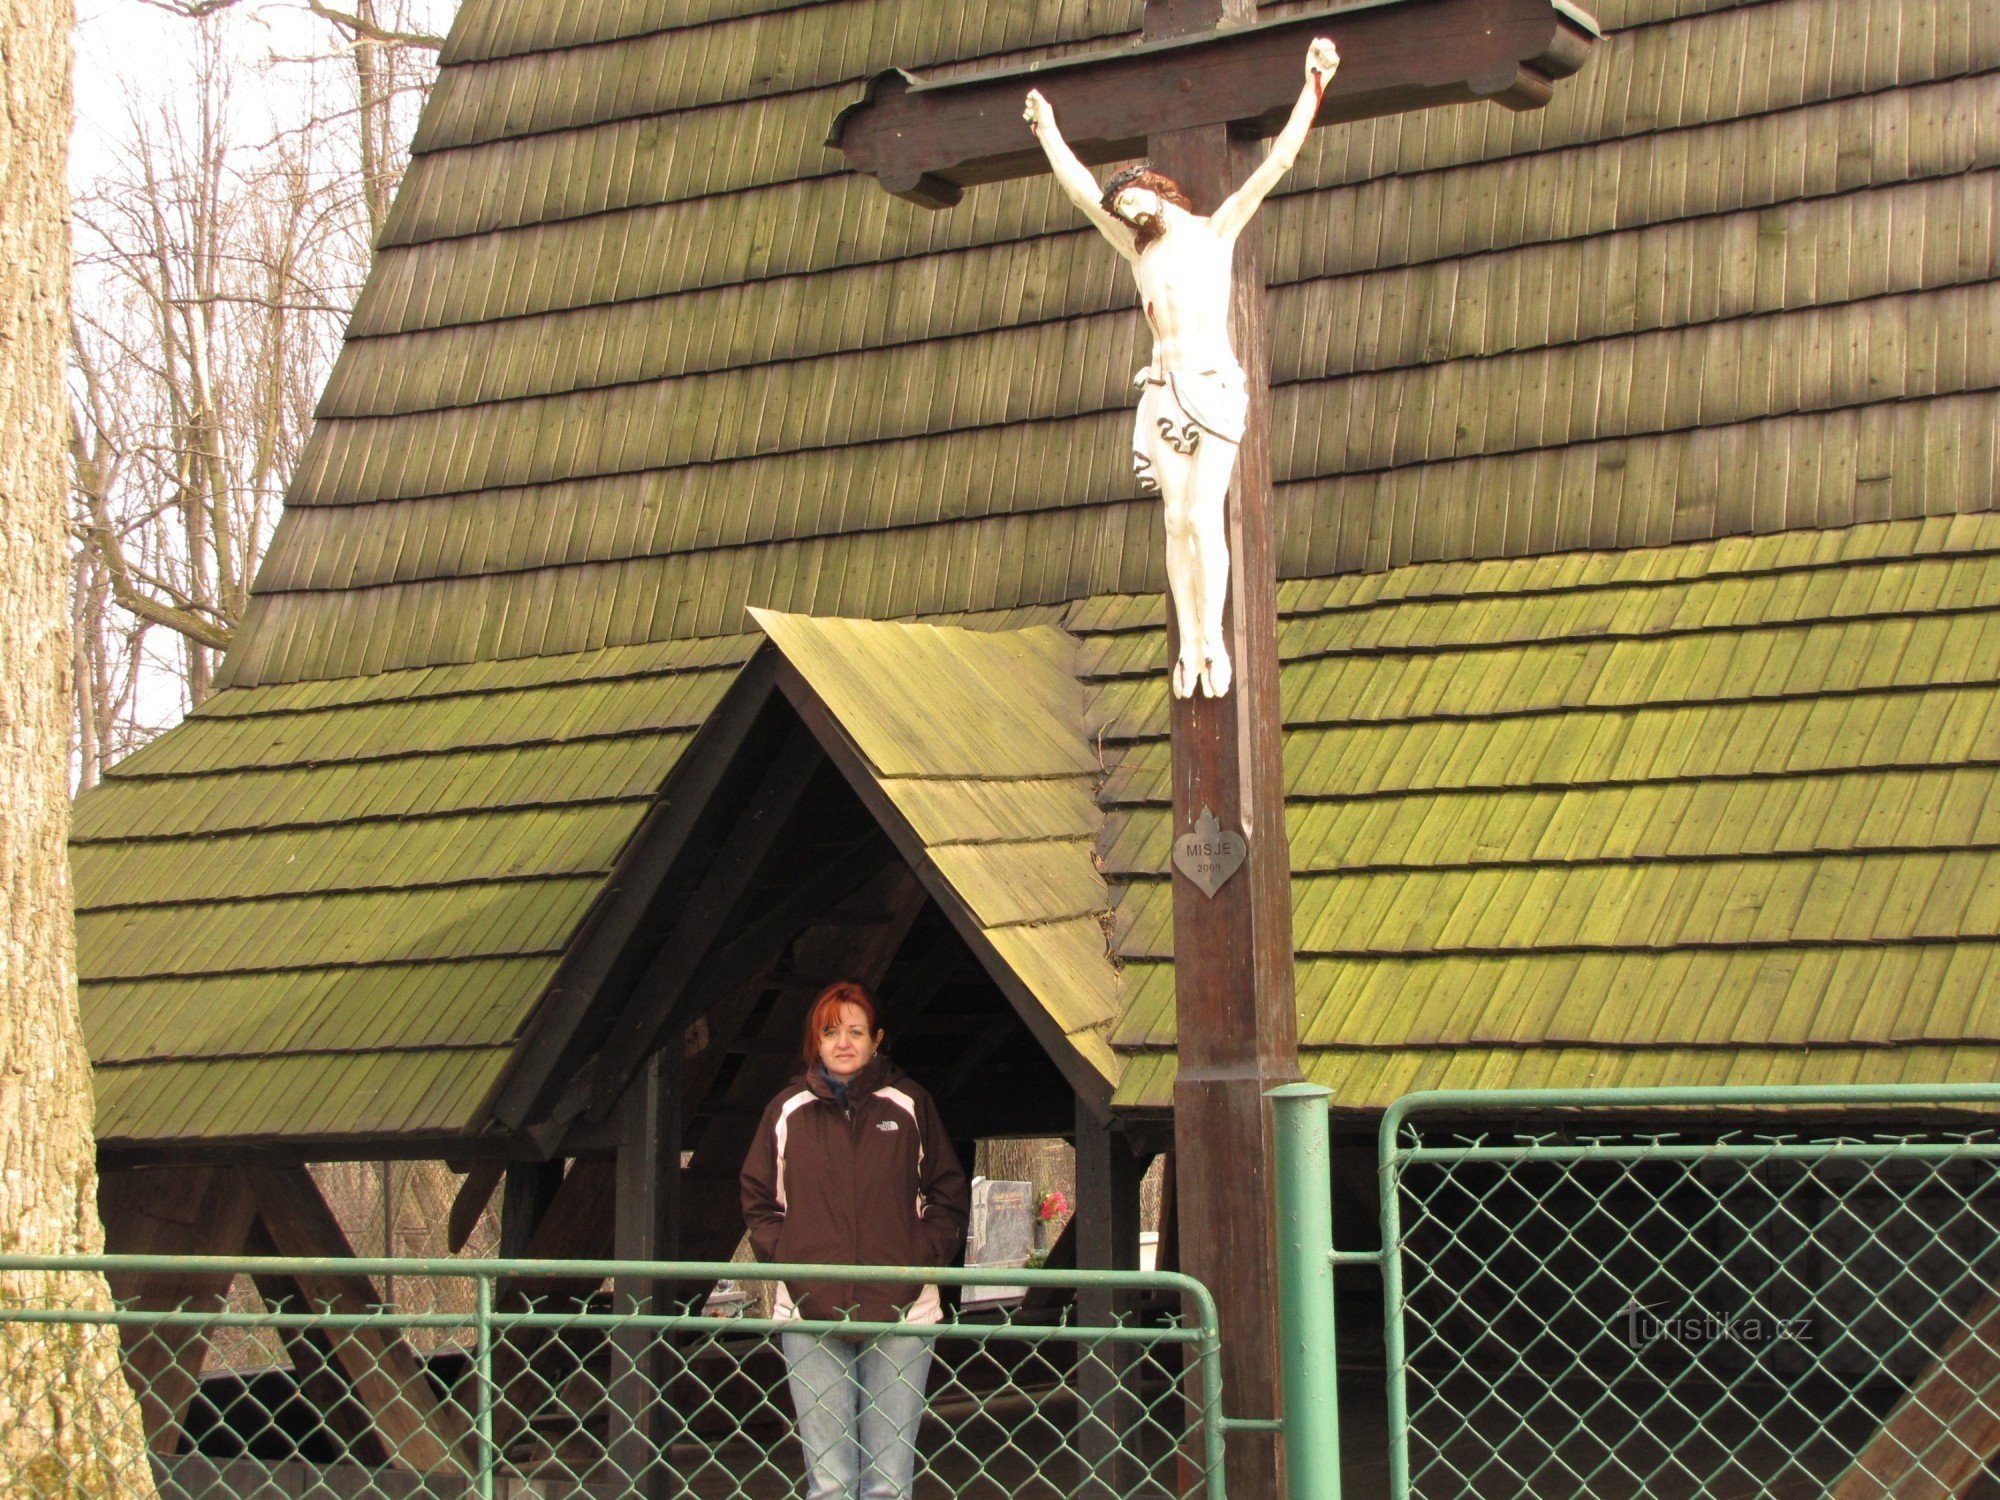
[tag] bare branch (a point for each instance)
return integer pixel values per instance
(268, 304)
(104, 542)
(215, 261)
(369, 30)
(354, 25)
(193, 10)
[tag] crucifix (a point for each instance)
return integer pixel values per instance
(1197, 96)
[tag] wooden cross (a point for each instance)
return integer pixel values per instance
(1206, 84)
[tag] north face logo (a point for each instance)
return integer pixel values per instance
(887, 1125)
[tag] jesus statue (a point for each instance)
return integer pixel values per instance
(1193, 401)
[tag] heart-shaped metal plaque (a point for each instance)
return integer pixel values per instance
(1210, 854)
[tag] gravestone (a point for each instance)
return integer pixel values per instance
(1001, 1236)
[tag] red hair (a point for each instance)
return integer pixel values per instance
(825, 1012)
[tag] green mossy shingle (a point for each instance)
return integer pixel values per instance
(1685, 807)
(952, 726)
(1621, 449)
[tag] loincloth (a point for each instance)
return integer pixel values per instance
(1181, 407)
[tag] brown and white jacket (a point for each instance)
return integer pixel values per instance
(874, 1184)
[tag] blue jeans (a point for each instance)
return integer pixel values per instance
(859, 1402)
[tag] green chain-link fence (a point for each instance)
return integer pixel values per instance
(1668, 1306)
(1606, 1294)
(595, 1381)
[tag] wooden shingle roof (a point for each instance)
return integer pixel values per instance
(635, 354)
(327, 908)
(976, 741)
(1718, 813)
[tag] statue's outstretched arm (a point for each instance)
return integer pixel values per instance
(1074, 177)
(1238, 209)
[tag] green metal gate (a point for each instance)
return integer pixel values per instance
(1653, 1292)
(502, 1379)
(1622, 1293)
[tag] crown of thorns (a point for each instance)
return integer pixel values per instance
(1144, 176)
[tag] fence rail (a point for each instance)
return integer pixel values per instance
(1618, 1293)
(1579, 1300)
(592, 1379)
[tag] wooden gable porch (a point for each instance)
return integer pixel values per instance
(788, 849)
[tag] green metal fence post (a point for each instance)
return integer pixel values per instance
(1307, 1367)
(1208, 1360)
(1395, 1352)
(482, 1378)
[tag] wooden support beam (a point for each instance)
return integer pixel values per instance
(647, 1228)
(713, 1041)
(758, 943)
(315, 1372)
(456, 1150)
(656, 1004)
(531, 1188)
(928, 142)
(576, 1225)
(417, 1430)
(1939, 1439)
(557, 1040)
(1108, 1176)
(171, 1211)
(468, 1204)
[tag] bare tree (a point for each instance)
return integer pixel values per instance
(67, 1424)
(392, 54)
(391, 63)
(105, 669)
(217, 261)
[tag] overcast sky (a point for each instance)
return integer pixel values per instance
(127, 51)
(134, 56)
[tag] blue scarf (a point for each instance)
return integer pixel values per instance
(839, 1087)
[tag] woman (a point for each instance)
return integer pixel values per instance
(851, 1166)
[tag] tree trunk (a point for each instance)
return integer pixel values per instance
(67, 1423)
(85, 612)
(376, 174)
